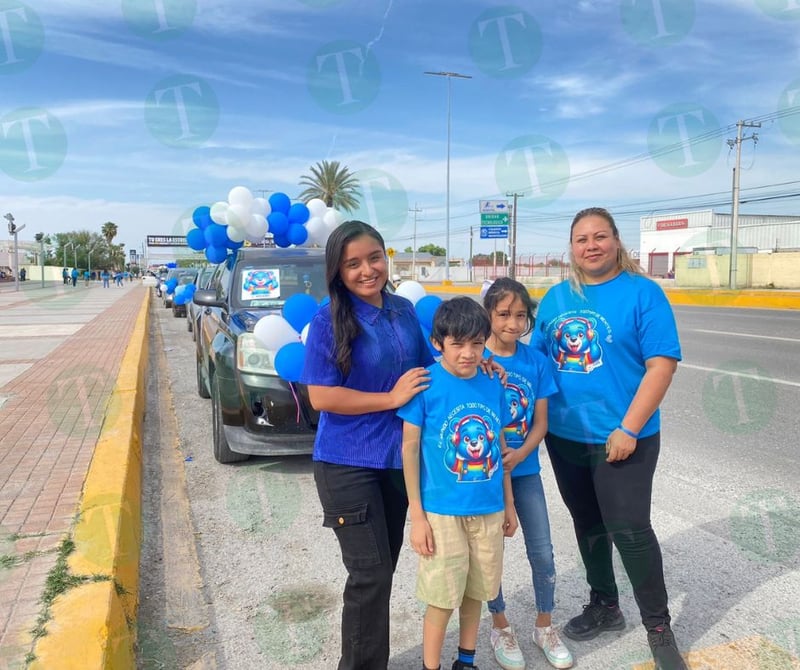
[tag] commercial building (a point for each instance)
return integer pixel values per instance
(667, 241)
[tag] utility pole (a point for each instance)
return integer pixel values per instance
(735, 207)
(512, 268)
(416, 211)
(470, 255)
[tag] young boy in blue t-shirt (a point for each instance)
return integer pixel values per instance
(459, 496)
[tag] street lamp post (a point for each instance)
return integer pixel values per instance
(13, 229)
(449, 76)
(68, 244)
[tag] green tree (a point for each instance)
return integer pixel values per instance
(332, 182)
(433, 250)
(408, 250)
(109, 231)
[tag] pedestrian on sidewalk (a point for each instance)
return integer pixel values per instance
(86, 277)
(366, 356)
(74, 276)
(65, 276)
(611, 339)
(105, 276)
(530, 384)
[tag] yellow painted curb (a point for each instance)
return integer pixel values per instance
(743, 654)
(698, 297)
(88, 630)
(92, 625)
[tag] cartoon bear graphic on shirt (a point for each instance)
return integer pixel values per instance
(473, 452)
(575, 346)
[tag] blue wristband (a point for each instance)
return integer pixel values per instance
(629, 433)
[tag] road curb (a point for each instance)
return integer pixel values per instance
(93, 625)
(764, 299)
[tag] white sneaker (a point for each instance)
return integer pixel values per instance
(555, 651)
(506, 650)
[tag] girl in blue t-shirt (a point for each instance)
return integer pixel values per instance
(530, 382)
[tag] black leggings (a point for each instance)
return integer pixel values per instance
(610, 502)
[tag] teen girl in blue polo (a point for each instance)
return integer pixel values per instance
(366, 356)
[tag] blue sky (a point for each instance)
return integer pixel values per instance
(138, 111)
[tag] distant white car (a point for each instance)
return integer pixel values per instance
(149, 280)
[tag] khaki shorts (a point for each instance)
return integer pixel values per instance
(467, 560)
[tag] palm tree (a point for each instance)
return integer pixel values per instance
(332, 182)
(109, 231)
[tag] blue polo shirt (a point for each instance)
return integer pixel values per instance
(390, 343)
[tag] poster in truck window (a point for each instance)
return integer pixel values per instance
(261, 284)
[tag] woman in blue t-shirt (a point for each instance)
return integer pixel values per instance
(612, 342)
(366, 356)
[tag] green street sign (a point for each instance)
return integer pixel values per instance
(494, 218)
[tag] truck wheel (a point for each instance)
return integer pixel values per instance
(222, 451)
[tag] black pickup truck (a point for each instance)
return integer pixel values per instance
(254, 411)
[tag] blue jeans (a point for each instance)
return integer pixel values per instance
(366, 508)
(531, 507)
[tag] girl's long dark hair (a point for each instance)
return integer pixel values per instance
(345, 324)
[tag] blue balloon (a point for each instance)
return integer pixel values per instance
(216, 235)
(172, 284)
(280, 202)
(298, 213)
(297, 233)
(216, 254)
(324, 301)
(278, 223)
(282, 241)
(202, 216)
(426, 307)
(196, 239)
(289, 361)
(180, 298)
(427, 333)
(299, 309)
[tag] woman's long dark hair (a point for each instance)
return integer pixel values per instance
(345, 324)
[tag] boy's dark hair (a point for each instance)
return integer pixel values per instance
(504, 286)
(460, 318)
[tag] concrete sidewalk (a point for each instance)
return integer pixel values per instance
(62, 349)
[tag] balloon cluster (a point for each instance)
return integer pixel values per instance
(225, 225)
(286, 334)
(183, 293)
(425, 307)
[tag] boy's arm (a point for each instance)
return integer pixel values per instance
(510, 512)
(513, 457)
(421, 535)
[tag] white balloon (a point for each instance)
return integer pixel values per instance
(411, 290)
(304, 333)
(240, 195)
(256, 227)
(237, 216)
(235, 234)
(316, 230)
(218, 211)
(260, 206)
(317, 207)
(333, 217)
(273, 331)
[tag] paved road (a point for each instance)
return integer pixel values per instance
(265, 589)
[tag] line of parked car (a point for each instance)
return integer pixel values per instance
(254, 411)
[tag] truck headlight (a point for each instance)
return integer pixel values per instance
(251, 356)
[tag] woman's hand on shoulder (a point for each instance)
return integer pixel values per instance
(410, 383)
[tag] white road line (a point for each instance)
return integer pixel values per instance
(732, 373)
(760, 337)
